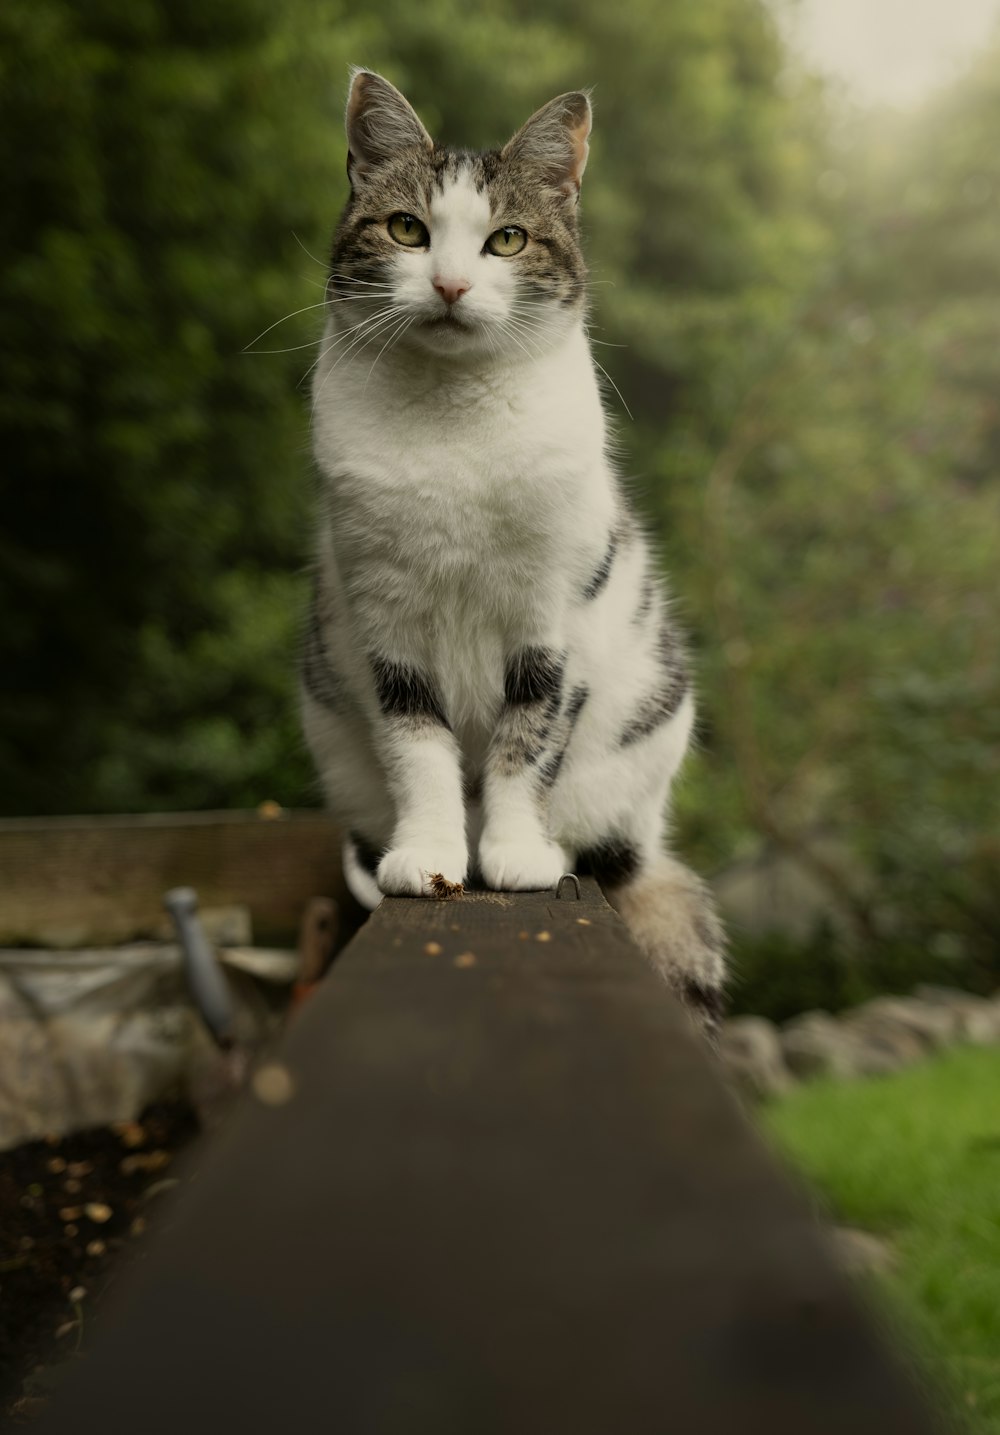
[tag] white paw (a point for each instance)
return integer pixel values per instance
(423, 871)
(532, 865)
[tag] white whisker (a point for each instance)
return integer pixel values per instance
(615, 387)
(322, 263)
(373, 327)
(304, 310)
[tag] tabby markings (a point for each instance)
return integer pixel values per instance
(532, 692)
(603, 572)
(318, 676)
(663, 702)
(550, 771)
(645, 599)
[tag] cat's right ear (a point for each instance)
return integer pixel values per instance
(380, 123)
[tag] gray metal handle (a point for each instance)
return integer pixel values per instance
(204, 975)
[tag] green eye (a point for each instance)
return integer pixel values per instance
(408, 230)
(507, 241)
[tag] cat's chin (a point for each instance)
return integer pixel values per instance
(447, 336)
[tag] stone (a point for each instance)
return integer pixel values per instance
(815, 1044)
(881, 1045)
(978, 1017)
(860, 1253)
(750, 1051)
(934, 1024)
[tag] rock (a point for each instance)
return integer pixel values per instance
(882, 1045)
(815, 1044)
(750, 1050)
(859, 1252)
(935, 1025)
(978, 1017)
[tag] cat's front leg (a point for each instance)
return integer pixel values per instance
(428, 856)
(515, 851)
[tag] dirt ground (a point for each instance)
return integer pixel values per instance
(73, 1213)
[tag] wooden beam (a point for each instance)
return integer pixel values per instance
(490, 1185)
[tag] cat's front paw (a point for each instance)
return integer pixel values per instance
(423, 871)
(532, 865)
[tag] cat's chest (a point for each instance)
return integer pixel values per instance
(465, 444)
(487, 457)
(477, 492)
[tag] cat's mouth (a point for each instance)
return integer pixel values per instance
(447, 320)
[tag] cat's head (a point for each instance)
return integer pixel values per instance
(454, 252)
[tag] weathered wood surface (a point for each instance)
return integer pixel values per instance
(91, 881)
(507, 1196)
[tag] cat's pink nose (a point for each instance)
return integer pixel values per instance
(451, 290)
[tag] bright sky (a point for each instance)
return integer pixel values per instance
(890, 51)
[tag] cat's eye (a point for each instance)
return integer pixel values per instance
(507, 241)
(407, 230)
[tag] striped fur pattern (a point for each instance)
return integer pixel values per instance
(494, 688)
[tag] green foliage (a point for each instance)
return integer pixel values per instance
(916, 1158)
(799, 307)
(158, 169)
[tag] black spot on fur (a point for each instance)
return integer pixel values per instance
(710, 1001)
(404, 692)
(368, 856)
(611, 861)
(533, 675)
(603, 572)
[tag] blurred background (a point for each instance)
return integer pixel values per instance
(791, 215)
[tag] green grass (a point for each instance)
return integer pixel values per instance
(916, 1158)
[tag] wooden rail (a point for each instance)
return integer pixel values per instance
(490, 1185)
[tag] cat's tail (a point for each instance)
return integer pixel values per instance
(672, 918)
(359, 874)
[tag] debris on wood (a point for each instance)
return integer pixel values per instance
(148, 1161)
(130, 1133)
(272, 1084)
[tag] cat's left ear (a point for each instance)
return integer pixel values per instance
(555, 139)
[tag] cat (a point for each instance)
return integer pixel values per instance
(492, 682)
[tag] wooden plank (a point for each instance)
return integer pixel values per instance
(491, 1184)
(94, 881)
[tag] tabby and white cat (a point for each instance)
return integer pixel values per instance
(492, 682)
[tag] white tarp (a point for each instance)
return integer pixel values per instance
(91, 1037)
